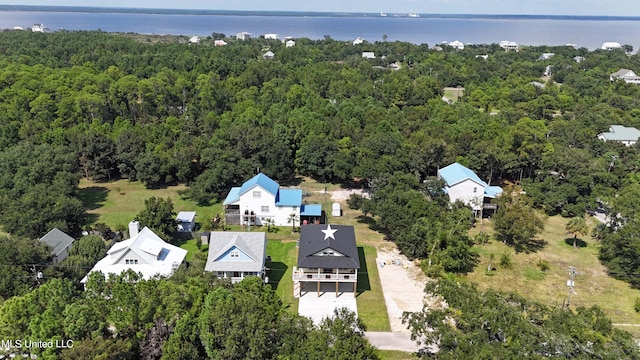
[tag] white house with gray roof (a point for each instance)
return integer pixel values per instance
(59, 242)
(236, 255)
(622, 134)
(145, 253)
(625, 75)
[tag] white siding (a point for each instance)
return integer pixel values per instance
(464, 191)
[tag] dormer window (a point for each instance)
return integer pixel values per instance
(235, 254)
(131, 261)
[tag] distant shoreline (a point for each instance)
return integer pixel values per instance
(421, 16)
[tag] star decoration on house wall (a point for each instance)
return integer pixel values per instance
(328, 233)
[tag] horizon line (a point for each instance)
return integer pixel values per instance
(345, 13)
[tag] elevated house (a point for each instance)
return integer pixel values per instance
(611, 45)
(508, 45)
(145, 253)
(626, 75)
(327, 260)
(622, 134)
(59, 242)
(459, 45)
(261, 200)
(368, 55)
(462, 184)
(243, 35)
(236, 255)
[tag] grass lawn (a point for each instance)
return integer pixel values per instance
(371, 306)
(453, 94)
(118, 202)
(283, 259)
(593, 286)
(191, 246)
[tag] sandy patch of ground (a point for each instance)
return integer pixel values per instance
(344, 194)
(403, 286)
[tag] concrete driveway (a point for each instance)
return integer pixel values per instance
(392, 341)
(319, 306)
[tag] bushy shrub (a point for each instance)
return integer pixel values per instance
(543, 265)
(505, 260)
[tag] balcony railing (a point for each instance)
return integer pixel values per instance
(301, 275)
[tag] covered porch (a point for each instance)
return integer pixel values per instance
(237, 276)
(312, 214)
(322, 281)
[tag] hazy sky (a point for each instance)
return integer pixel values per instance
(554, 7)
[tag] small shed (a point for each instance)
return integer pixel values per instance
(335, 209)
(59, 242)
(186, 221)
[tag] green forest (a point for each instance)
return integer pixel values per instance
(162, 111)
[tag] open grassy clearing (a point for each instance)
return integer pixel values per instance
(118, 202)
(593, 286)
(453, 94)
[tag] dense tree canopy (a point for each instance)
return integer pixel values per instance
(495, 325)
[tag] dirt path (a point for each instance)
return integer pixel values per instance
(402, 284)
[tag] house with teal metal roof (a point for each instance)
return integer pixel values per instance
(462, 184)
(261, 199)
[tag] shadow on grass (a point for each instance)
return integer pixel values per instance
(530, 246)
(363, 274)
(275, 273)
(91, 218)
(93, 197)
(579, 243)
(369, 221)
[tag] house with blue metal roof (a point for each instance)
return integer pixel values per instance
(464, 185)
(261, 199)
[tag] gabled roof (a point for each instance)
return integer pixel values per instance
(156, 256)
(456, 173)
(289, 197)
(621, 133)
(316, 238)
(261, 180)
(252, 244)
(57, 240)
(624, 73)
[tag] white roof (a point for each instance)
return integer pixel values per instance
(155, 256)
(186, 216)
(610, 45)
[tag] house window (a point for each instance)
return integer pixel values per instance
(264, 209)
(257, 195)
(475, 189)
(235, 254)
(131, 261)
(220, 273)
(294, 208)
